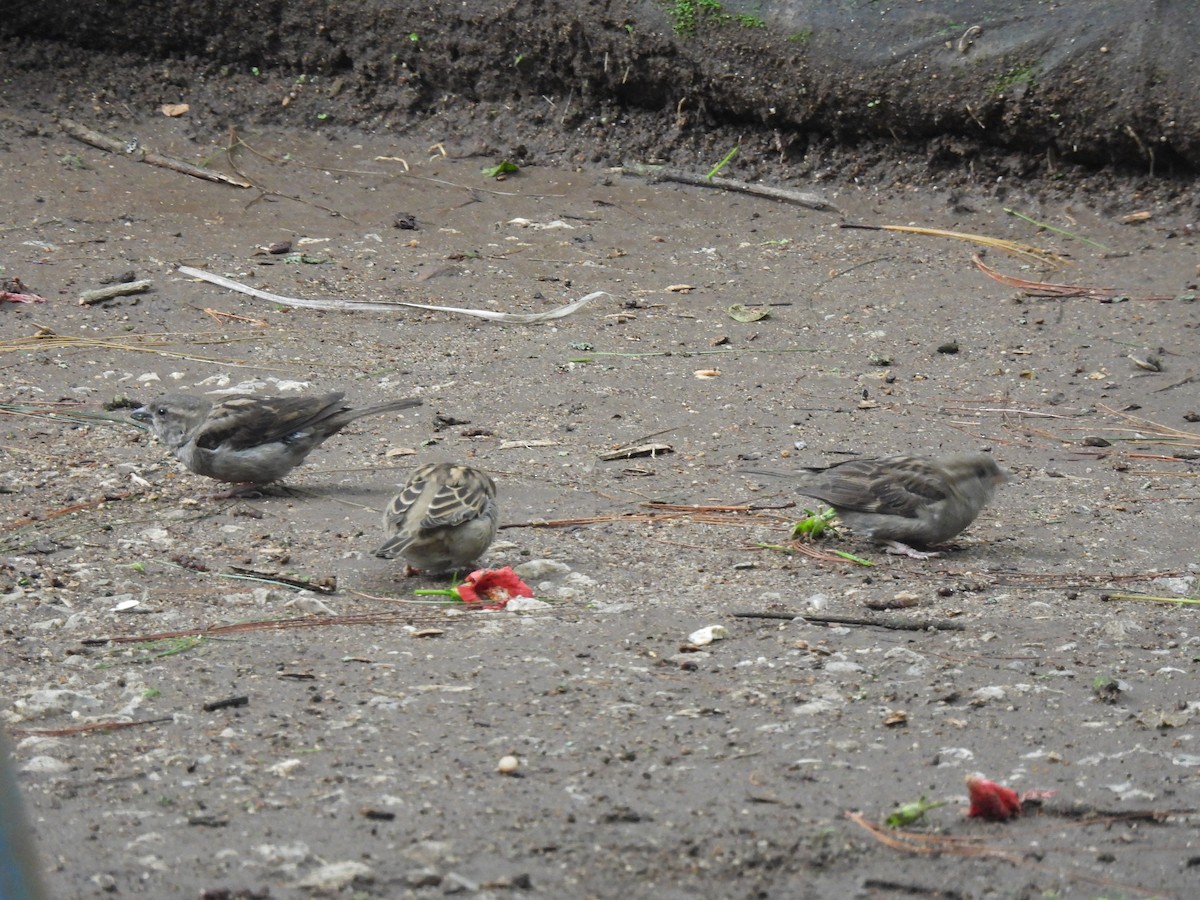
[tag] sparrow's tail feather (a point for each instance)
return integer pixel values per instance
(342, 418)
(390, 406)
(393, 546)
(769, 474)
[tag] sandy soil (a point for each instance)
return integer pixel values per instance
(363, 759)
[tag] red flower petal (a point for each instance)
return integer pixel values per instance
(466, 593)
(495, 585)
(991, 801)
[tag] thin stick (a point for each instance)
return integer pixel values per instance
(84, 729)
(662, 173)
(895, 624)
(929, 844)
(67, 510)
(112, 145)
(234, 143)
(678, 507)
(1033, 413)
(1150, 598)
(1050, 289)
(374, 618)
(99, 295)
(1062, 231)
(684, 354)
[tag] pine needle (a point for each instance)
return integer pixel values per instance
(1024, 251)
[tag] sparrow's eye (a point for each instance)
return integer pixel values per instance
(161, 411)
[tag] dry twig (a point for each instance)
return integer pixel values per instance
(85, 729)
(1050, 289)
(121, 148)
(894, 623)
(661, 173)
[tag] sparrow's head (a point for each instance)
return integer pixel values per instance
(172, 417)
(974, 471)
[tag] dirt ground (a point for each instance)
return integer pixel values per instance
(357, 757)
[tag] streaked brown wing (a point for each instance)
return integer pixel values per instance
(462, 494)
(896, 486)
(245, 421)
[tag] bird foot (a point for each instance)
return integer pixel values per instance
(896, 548)
(245, 491)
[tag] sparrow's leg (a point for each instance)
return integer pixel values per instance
(247, 490)
(899, 549)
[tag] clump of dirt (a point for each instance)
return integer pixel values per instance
(974, 91)
(185, 729)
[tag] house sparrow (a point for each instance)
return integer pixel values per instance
(443, 518)
(248, 438)
(902, 500)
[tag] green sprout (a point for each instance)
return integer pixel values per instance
(910, 813)
(686, 14)
(813, 525)
(1013, 77)
(504, 167)
(719, 166)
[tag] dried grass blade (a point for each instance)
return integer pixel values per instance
(1016, 249)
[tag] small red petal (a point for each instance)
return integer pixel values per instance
(497, 585)
(991, 801)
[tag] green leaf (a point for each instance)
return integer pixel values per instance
(813, 524)
(503, 168)
(909, 813)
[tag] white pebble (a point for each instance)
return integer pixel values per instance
(508, 765)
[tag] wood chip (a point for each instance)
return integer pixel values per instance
(637, 450)
(89, 298)
(523, 445)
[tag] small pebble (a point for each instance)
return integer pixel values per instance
(508, 765)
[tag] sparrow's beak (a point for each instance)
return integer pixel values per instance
(142, 414)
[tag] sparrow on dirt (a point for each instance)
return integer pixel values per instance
(251, 439)
(903, 500)
(443, 518)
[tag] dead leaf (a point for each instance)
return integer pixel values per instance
(174, 110)
(740, 312)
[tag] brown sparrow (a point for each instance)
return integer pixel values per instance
(248, 438)
(903, 500)
(443, 518)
